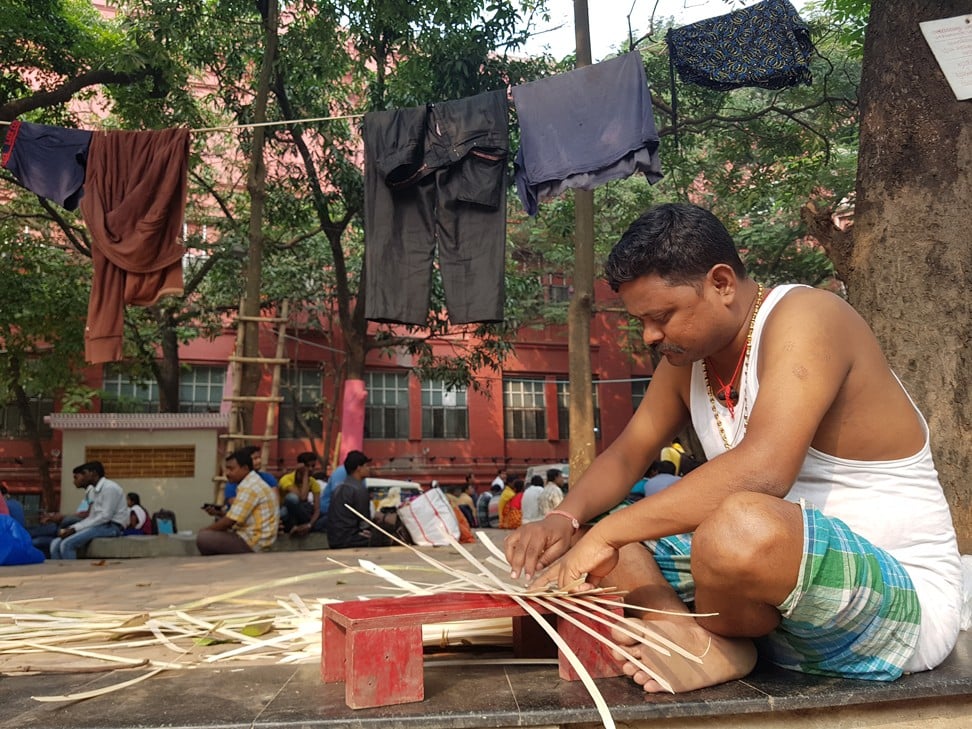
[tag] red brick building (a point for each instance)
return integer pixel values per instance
(413, 429)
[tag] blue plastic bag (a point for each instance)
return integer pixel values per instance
(15, 544)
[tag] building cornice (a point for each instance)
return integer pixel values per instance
(136, 421)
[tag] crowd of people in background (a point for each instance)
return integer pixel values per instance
(257, 508)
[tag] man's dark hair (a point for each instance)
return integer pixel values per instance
(242, 457)
(307, 458)
(355, 460)
(537, 480)
(136, 499)
(680, 243)
(553, 473)
(95, 466)
(252, 449)
(518, 485)
(666, 467)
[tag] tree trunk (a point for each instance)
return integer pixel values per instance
(167, 369)
(582, 445)
(33, 435)
(256, 187)
(907, 265)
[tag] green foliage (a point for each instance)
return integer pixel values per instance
(54, 38)
(847, 19)
(42, 315)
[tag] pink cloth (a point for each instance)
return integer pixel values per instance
(134, 204)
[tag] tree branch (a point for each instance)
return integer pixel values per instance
(837, 243)
(63, 93)
(76, 236)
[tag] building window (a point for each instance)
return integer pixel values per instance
(386, 415)
(300, 410)
(524, 409)
(638, 388)
(558, 293)
(200, 391)
(13, 426)
(563, 410)
(122, 394)
(444, 411)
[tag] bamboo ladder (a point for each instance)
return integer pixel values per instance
(236, 437)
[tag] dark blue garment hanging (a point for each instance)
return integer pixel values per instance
(48, 161)
(583, 128)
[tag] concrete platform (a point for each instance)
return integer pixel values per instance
(182, 545)
(484, 690)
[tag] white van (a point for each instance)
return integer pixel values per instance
(541, 471)
(378, 489)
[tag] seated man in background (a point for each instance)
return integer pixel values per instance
(660, 474)
(344, 527)
(553, 491)
(482, 506)
(250, 525)
(107, 513)
(50, 522)
(300, 496)
(229, 488)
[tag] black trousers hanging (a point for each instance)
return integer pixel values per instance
(435, 181)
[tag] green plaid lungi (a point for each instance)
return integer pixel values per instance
(854, 612)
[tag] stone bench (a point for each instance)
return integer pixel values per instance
(181, 545)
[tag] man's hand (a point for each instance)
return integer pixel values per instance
(586, 564)
(535, 546)
(65, 533)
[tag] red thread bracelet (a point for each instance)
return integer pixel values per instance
(573, 520)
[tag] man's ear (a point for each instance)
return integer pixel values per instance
(722, 279)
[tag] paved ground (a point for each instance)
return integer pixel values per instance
(481, 692)
(235, 584)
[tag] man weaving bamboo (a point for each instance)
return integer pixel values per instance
(818, 524)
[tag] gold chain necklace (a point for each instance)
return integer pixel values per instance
(746, 350)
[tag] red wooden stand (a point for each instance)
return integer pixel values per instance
(375, 646)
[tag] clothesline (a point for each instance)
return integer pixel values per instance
(230, 127)
(276, 123)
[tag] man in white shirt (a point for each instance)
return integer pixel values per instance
(553, 492)
(107, 513)
(531, 500)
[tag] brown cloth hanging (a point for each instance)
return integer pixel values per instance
(134, 203)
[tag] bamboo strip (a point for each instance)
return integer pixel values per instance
(97, 692)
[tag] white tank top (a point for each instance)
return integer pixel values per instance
(896, 505)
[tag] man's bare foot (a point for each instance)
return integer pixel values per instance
(723, 659)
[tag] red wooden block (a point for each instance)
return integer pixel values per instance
(384, 666)
(594, 655)
(375, 646)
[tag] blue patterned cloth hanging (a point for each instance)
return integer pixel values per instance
(766, 45)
